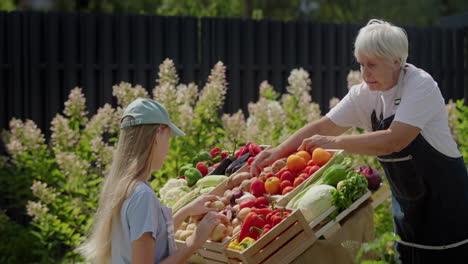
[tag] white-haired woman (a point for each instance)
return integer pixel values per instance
(404, 113)
(131, 225)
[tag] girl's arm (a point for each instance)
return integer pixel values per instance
(143, 247)
(196, 207)
(180, 216)
(143, 251)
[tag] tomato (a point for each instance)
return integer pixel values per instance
(272, 185)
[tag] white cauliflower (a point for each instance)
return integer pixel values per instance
(173, 190)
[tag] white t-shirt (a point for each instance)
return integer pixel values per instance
(141, 213)
(421, 105)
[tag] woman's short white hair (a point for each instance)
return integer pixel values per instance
(382, 39)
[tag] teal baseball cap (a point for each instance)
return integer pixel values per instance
(147, 111)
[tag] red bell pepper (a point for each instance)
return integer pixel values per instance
(261, 202)
(262, 212)
(261, 231)
(215, 152)
(249, 203)
(277, 217)
(201, 166)
(251, 220)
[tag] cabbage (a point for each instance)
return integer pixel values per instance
(315, 201)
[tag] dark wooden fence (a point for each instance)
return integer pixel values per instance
(44, 55)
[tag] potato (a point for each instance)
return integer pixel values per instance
(236, 229)
(185, 234)
(243, 213)
(236, 208)
(245, 185)
(191, 227)
(196, 218)
(227, 194)
(236, 221)
(229, 230)
(218, 233)
(183, 226)
(178, 233)
(217, 204)
(236, 179)
(278, 165)
(225, 201)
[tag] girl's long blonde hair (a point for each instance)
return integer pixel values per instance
(131, 164)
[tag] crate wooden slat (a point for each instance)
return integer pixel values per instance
(281, 241)
(332, 225)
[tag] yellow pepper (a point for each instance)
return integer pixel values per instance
(246, 242)
(235, 245)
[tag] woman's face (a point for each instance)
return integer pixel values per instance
(161, 148)
(378, 73)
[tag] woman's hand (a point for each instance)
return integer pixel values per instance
(265, 158)
(198, 207)
(318, 141)
(204, 229)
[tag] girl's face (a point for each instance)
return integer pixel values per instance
(378, 73)
(161, 148)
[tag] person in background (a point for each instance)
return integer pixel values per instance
(404, 113)
(131, 225)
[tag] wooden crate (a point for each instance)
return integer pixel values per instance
(195, 258)
(322, 227)
(210, 253)
(283, 200)
(282, 244)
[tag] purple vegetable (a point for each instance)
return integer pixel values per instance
(236, 195)
(229, 212)
(372, 175)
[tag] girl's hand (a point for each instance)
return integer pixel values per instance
(318, 141)
(204, 229)
(265, 158)
(198, 207)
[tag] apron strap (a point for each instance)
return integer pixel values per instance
(433, 247)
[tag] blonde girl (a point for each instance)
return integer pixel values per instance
(131, 225)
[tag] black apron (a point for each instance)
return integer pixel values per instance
(429, 201)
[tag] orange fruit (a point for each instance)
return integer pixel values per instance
(296, 163)
(305, 155)
(320, 156)
(273, 185)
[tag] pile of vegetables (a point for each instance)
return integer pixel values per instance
(339, 186)
(207, 170)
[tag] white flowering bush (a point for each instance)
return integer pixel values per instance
(273, 117)
(195, 112)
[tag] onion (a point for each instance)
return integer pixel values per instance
(236, 195)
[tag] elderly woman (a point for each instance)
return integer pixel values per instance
(404, 113)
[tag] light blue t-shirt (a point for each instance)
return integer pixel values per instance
(141, 213)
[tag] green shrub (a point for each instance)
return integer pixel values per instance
(383, 248)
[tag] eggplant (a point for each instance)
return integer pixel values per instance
(237, 164)
(221, 169)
